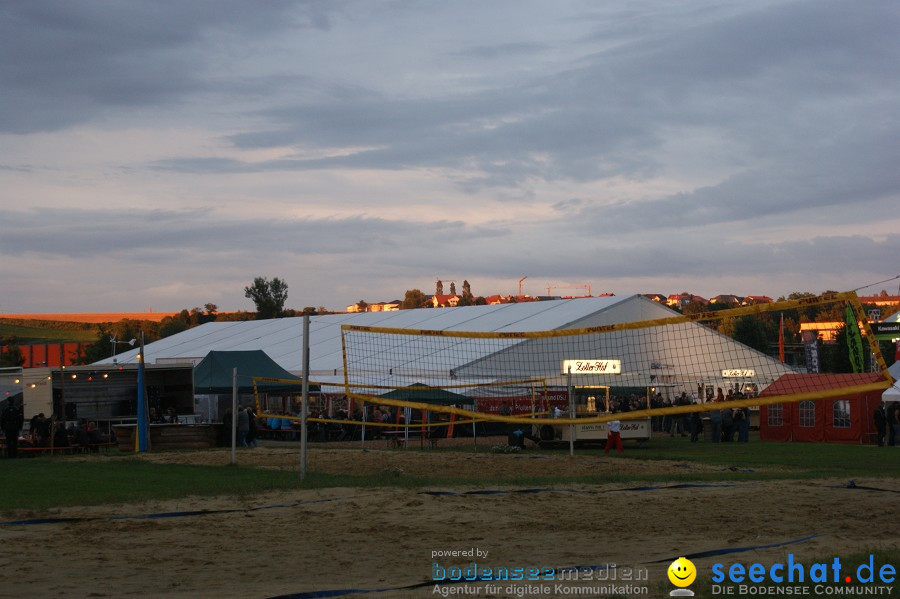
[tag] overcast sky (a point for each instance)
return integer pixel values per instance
(162, 154)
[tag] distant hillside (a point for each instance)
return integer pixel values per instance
(89, 317)
(58, 328)
(46, 331)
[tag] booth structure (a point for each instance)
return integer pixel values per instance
(213, 380)
(843, 419)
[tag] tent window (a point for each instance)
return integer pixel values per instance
(776, 415)
(841, 409)
(807, 414)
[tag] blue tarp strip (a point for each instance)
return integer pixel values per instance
(160, 515)
(727, 551)
(551, 490)
(852, 485)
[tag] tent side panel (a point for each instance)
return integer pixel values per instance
(838, 434)
(771, 432)
(808, 422)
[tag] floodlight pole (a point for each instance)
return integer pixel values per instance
(234, 419)
(474, 431)
(304, 398)
(362, 437)
(571, 411)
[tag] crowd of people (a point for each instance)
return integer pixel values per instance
(727, 425)
(44, 432)
(342, 426)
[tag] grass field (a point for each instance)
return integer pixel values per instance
(116, 478)
(50, 482)
(49, 333)
(374, 508)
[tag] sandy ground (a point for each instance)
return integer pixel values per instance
(384, 538)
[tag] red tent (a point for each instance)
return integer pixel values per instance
(843, 419)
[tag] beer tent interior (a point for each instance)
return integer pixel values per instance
(214, 374)
(844, 419)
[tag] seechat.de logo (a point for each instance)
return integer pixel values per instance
(682, 573)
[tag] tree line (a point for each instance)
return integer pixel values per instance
(760, 332)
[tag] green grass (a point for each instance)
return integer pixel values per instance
(799, 460)
(46, 482)
(36, 334)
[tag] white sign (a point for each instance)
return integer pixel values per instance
(740, 373)
(592, 366)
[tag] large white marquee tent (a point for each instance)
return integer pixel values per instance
(282, 339)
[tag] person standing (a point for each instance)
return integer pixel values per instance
(11, 422)
(727, 425)
(715, 417)
(243, 427)
(252, 429)
(614, 436)
(880, 423)
(892, 415)
(696, 426)
(742, 418)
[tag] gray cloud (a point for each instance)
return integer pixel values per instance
(663, 140)
(67, 63)
(132, 233)
(770, 80)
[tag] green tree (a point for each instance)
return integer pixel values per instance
(171, 325)
(836, 356)
(414, 298)
(10, 352)
(122, 331)
(269, 297)
(466, 299)
(694, 307)
(751, 331)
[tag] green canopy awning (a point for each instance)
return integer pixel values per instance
(213, 376)
(425, 394)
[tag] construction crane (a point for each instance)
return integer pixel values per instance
(520, 284)
(585, 286)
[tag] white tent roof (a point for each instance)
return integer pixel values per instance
(893, 393)
(282, 339)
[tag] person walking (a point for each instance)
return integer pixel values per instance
(880, 423)
(11, 422)
(614, 436)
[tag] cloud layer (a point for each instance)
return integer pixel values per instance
(163, 154)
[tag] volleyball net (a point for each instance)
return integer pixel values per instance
(521, 377)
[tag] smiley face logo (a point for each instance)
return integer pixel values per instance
(682, 572)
